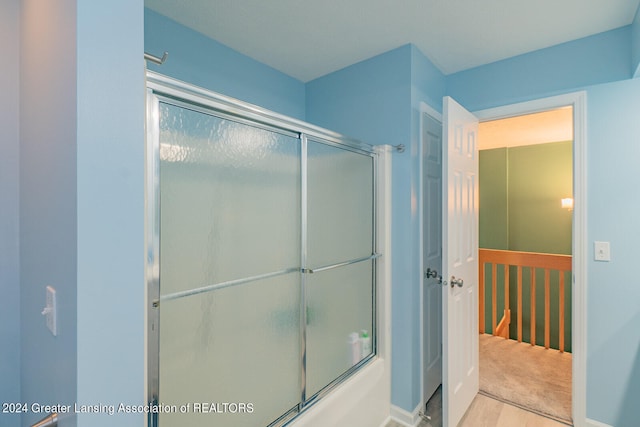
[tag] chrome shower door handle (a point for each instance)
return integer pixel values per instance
(455, 281)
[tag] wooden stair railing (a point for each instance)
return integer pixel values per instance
(548, 262)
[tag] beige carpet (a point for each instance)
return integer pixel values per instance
(531, 377)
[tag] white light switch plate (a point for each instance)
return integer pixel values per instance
(602, 251)
(50, 311)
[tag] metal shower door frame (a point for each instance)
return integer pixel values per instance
(162, 89)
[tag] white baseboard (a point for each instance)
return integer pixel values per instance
(408, 419)
(594, 423)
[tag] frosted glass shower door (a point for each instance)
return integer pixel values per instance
(229, 322)
(340, 248)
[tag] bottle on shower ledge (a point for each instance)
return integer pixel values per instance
(365, 344)
(354, 348)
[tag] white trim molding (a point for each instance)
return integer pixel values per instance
(426, 108)
(407, 419)
(578, 100)
(594, 423)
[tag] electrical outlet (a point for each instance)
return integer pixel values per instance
(50, 311)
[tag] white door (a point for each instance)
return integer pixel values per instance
(432, 254)
(460, 261)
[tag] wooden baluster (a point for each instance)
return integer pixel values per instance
(507, 312)
(521, 260)
(533, 305)
(494, 297)
(561, 310)
(481, 296)
(547, 304)
(519, 303)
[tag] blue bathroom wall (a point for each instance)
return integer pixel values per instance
(110, 209)
(613, 311)
(202, 61)
(48, 202)
(368, 101)
(428, 84)
(613, 340)
(9, 213)
(601, 58)
(82, 206)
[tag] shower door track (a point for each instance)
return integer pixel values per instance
(181, 93)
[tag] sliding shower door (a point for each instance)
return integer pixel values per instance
(340, 244)
(261, 266)
(229, 270)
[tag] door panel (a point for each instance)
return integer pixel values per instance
(338, 305)
(216, 174)
(339, 205)
(432, 254)
(207, 356)
(339, 295)
(460, 261)
(229, 195)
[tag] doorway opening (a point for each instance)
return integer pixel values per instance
(525, 249)
(576, 280)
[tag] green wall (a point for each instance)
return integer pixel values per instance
(494, 208)
(520, 192)
(539, 176)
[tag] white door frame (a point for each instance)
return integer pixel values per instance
(579, 245)
(579, 235)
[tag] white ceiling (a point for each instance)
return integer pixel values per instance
(307, 39)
